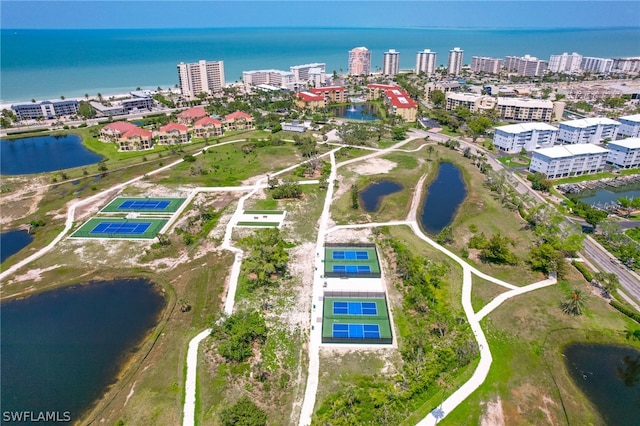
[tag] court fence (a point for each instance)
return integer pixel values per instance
(350, 245)
(358, 295)
(352, 275)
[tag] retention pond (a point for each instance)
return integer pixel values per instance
(444, 195)
(62, 349)
(609, 376)
(44, 154)
(11, 242)
(373, 194)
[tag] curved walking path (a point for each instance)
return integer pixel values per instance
(482, 370)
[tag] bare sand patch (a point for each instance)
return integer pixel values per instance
(373, 166)
(493, 416)
(34, 274)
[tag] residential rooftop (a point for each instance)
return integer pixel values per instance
(562, 151)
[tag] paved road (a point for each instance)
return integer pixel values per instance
(629, 280)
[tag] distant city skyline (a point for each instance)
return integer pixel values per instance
(100, 14)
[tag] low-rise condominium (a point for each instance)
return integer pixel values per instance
(335, 94)
(568, 160)
(513, 138)
(624, 153)
(45, 109)
(588, 130)
(524, 109)
(629, 126)
(474, 102)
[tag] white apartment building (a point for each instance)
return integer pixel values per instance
(624, 153)
(588, 130)
(201, 77)
(596, 65)
(526, 66)
(525, 109)
(359, 61)
(568, 160)
(306, 72)
(530, 136)
(426, 62)
(486, 64)
(45, 109)
(565, 62)
(629, 126)
(391, 62)
(456, 56)
(277, 78)
(626, 65)
(474, 102)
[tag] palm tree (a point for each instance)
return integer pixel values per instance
(574, 305)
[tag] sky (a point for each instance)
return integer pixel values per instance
(98, 14)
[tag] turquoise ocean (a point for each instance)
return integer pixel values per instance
(47, 64)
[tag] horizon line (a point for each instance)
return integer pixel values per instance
(615, 27)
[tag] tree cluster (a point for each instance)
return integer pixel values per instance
(238, 333)
(539, 182)
(356, 133)
(267, 256)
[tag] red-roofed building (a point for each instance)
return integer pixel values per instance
(112, 132)
(376, 91)
(238, 120)
(136, 140)
(207, 127)
(400, 103)
(331, 93)
(191, 115)
(309, 100)
(173, 134)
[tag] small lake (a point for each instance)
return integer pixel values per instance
(444, 195)
(44, 154)
(11, 242)
(62, 349)
(610, 377)
(373, 194)
(357, 112)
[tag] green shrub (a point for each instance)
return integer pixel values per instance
(628, 312)
(586, 273)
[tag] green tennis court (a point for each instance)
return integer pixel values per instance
(357, 261)
(356, 320)
(146, 205)
(120, 228)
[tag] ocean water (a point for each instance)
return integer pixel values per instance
(47, 64)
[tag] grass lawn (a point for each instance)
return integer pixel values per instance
(526, 335)
(515, 161)
(228, 165)
(483, 292)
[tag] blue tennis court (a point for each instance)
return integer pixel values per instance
(355, 308)
(350, 255)
(356, 331)
(352, 269)
(144, 205)
(120, 228)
